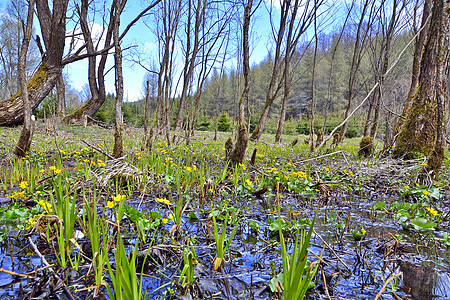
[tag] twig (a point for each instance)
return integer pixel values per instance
(98, 149)
(325, 283)
(386, 283)
(317, 157)
(63, 285)
(332, 250)
(15, 274)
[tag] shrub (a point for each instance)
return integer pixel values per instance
(224, 123)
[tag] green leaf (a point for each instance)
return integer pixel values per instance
(273, 282)
(380, 205)
(423, 224)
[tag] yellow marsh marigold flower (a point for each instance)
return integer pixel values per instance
(164, 220)
(52, 168)
(432, 211)
(163, 200)
(110, 204)
(23, 185)
(363, 230)
(118, 198)
(57, 171)
(171, 217)
(426, 192)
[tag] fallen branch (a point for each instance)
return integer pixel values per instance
(45, 262)
(386, 283)
(15, 274)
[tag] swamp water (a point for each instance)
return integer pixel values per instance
(350, 269)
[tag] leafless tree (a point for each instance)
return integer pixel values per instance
(363, 27)
(26, 135)
(238, 153)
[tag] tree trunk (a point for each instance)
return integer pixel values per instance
(61, 95)
(53, 27)
(330, 75)
(272, 89)
(418, 51)
(356, 60)
(238, 153)
(119, 127)
(26, 135)
(424, 128)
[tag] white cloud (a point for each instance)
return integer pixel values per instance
(75, 40)
(149, 47)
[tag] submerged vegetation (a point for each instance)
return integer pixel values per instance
(181, 221)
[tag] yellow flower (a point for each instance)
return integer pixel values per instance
(118, 198)
(424, 164)
(57, 171)
(407, 187)
(432, 211)
(327, 169)
(164, 220)
(363, 230)
(248, 181)
(110, 204)
(48, 208)
(23, 185)
(30, 223)
(163, 200)
(194, 167)
(42, 171)
(171, 217)
(52, 168)
(426, 192)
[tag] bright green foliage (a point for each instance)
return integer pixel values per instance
(224, 123)
(297, 274)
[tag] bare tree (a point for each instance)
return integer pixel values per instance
(389, 21)
(26, 135)
(296, 30)
(363, 27)
(332, 64)
(96, 73)
(119, 126)
(238, 153)
(274, 84)
(195, 19)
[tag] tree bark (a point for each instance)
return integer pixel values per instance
(119, 127)
(61, 95)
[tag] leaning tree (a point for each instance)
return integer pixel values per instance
(53, 29)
